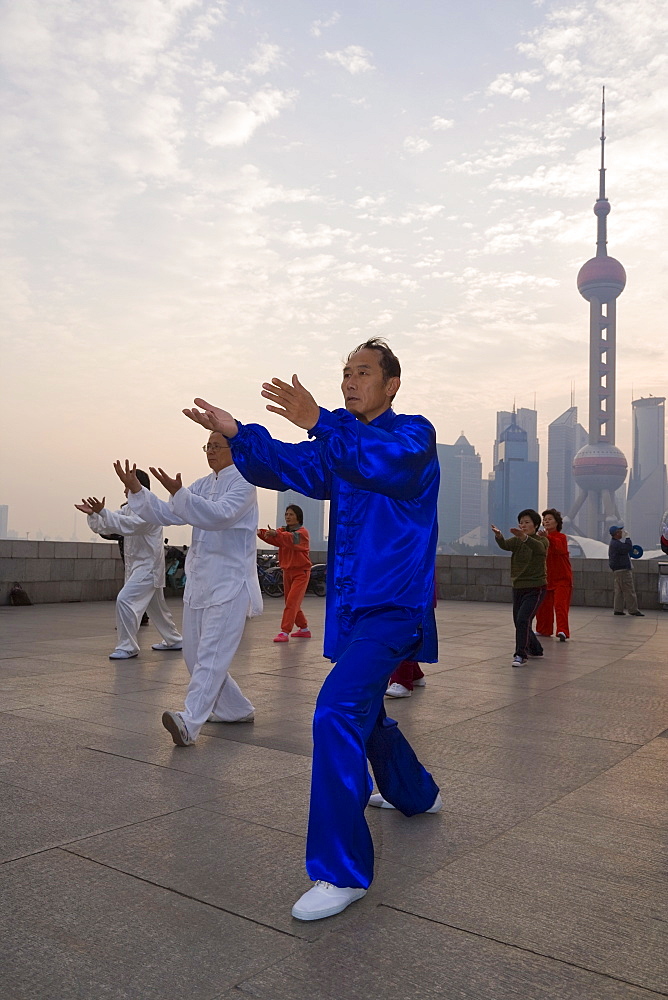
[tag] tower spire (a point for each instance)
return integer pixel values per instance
(602, 206)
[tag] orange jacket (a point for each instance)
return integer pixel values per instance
(558, 560)
(293, 546)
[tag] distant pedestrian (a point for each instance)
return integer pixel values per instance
(293, 545)
(528, 554)
(619, 559)
(557, 600)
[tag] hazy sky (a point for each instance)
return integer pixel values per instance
(201, 195)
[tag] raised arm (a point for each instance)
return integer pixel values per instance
(148, 507)
(214, 515)
(121, 522)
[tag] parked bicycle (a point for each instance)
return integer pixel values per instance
(269, 574)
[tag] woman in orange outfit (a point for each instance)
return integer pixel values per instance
(293, 557)
(559, 579)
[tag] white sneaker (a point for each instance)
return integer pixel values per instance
(167, 645)
(174, 724)
(518, 661)
(420, 682)
(324, 900)
(121, 654)
(398, 691)
(247, 718)
(561, 636)
(379, 802)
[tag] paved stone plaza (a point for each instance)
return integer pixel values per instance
(133, 869)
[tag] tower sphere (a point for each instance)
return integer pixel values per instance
(602, 278)
(599, 467)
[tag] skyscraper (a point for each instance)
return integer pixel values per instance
(526, 419)
(600, 467)
(314, 514)
(4, 520)
(646, 499)
(459, 492)
(515, 483)
(565, 437)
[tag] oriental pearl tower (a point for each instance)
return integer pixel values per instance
(600, 467)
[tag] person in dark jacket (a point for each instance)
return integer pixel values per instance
(619, 559)
(528, 555)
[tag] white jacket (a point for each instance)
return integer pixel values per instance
(143, 550)
(222, 508)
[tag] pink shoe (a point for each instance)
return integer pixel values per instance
(302, 633)
(282, 637)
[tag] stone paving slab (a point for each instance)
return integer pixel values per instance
(400, 957)
(74, 930)
(541, 876)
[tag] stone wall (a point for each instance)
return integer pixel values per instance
(487, 578)
(53, 572)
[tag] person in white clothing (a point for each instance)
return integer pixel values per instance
(222, 587)
(144, 574)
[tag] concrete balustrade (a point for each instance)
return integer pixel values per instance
(54, 572)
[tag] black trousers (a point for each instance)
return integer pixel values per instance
(526, 601)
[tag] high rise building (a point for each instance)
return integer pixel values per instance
(459, 492)
(314, 515)
(646, 499)
(4, 520)
(565, 437)
(600, 467)
(528, 421)
(515, 483)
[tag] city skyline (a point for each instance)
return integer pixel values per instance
(201, 195)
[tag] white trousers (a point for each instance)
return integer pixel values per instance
(210, 640)
(136, 597)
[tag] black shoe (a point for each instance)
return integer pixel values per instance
(144, 620)
(535, 655)
(636, 614)
(620, 612)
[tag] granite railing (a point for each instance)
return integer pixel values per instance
(53, 572)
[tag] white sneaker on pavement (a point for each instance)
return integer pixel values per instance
(167, 645)
(121, 654)
(174, 724)
(379, 802)
(324, 900)
(518, 661)
(230, 722)
(397, 691)
(420, 682)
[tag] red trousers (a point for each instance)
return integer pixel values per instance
(556, 603)
(295, 582)
(407, 672)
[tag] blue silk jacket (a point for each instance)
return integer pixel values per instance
(382, 480)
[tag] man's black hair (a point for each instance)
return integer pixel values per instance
(556, 514)
(297, 511)
(143, 478)
(389, 362)
(530, 512)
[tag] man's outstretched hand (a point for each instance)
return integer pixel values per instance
(294, 402)
(128, 475)
(171, 485)
(213, 418)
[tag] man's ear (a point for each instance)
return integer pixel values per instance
(392, 385)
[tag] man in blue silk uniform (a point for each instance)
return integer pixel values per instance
(380, 471)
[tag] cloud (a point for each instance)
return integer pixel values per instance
(266, 57)
(317, 26)
(415, 145)
(514, 85)
(354, 59)
(238, 120)
(441, 124)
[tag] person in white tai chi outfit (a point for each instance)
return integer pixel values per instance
(222, 587)
(144, 574)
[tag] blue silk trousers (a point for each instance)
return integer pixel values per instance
(349, 727)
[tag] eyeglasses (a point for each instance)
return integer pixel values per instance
(214, 447)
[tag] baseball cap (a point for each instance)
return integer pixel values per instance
(615, 528)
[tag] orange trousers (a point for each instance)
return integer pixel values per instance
(295, 582)
(555, 604)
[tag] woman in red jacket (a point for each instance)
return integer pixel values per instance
(559, 579)
(293, 558)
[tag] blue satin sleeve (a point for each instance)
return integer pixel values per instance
(276, 465)
(399, 463)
